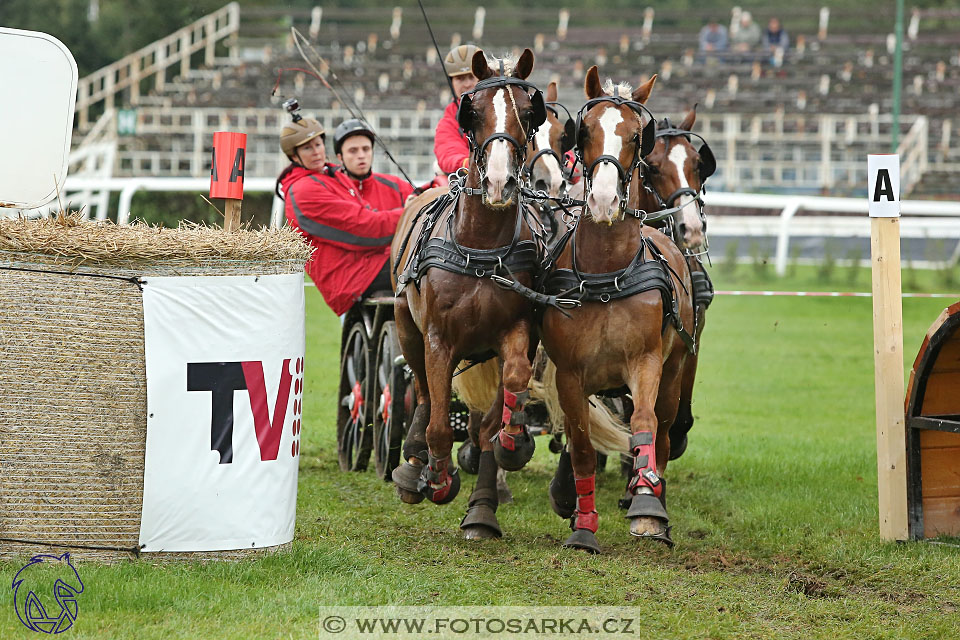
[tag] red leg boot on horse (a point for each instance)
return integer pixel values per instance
(461, 261)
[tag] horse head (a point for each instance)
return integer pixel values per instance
(503, 112)
(612, 141)
(547, 147)
(675, 172)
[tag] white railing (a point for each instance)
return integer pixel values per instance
(153, 60)
(802, 153)
(919, 219)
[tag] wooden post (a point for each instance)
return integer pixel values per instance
(231, 212)
(884, 204)
(226, 174)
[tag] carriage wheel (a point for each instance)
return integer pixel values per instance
(390, 402)
(353, 414)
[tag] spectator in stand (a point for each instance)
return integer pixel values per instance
(713, 38)
(747, 35)
(775, 37)
(347, 213)
(450, 145)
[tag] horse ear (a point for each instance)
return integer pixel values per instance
(689, 119)
(642, 92)
(591, 85)
(479, 65)
(568, 137)
(524, 66)
(552, 92)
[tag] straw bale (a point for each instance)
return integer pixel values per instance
(73, 377)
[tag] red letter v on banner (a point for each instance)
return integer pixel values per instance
(268, 436)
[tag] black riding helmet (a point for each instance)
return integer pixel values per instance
(349, 128)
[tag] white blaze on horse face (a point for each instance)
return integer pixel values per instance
(547, 168)
(498, 157)
(692, 225)
(604, 200)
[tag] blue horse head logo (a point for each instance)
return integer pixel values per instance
(45, 576)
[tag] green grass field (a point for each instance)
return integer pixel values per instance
(773, 507)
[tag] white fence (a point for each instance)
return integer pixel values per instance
(848, 219)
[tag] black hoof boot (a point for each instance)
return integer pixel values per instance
(439, 487)
(583, 539)
(468, 457)
(563, 488)
(480, 523)
(556, 444)
(513, 451)
(645, 509)
(406, 477)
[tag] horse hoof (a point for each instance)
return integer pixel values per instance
(583, 539)
(513, 451)
(480, 523)
(504, 495)
(407, 477)
(468, 457)
(442, 494)
(647, 506)
(555, 445)
(563, 488)
(653, 528)
(677, 449)
(410, 497)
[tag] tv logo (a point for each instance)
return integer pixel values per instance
(222, 379)
(41, 582)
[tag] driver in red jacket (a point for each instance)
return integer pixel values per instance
(347, 213)
(450, 145)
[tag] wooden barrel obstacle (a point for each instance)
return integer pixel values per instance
(73, 388)
(933, 431)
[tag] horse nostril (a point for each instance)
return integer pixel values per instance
(683, 228)
(540, 185)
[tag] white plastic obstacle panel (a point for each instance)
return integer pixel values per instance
(152, 380)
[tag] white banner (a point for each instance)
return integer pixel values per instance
(224, 360)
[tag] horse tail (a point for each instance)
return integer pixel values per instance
(478, 385)
(607, 432)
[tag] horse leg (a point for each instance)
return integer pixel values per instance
(583, 458)
(684, 420)
(647, 515)
(504, 493)
(439, 479)
(468, 455)
(406, 477)
(514, 445)
(480, 522)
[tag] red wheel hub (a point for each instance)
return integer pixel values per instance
(385, 398)
(357, 401)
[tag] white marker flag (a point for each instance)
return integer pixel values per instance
(883, 185)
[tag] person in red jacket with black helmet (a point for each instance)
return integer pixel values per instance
(450, 145)
(347, 213)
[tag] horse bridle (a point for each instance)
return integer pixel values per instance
(479, 151)
(567, 174)
(642, 148)
(666, 129)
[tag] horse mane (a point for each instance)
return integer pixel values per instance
(622, 89)
(509, 62)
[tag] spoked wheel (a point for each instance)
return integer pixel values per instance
(353, 414)
(391, 394)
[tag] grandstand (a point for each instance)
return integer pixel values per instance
(803, 125)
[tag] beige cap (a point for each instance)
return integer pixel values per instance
(459, 61)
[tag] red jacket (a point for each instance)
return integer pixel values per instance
(350, 223)
(450, 145)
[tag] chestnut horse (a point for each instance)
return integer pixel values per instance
(674, 177)
(631, 328)
(544, 168)
(448, 307)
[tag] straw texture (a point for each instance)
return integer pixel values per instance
(72, 372)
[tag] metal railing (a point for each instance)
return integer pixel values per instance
(152, 62)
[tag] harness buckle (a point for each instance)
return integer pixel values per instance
(616, 284)
(604, 297)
